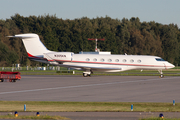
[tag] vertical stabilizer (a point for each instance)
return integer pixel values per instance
(33, 45)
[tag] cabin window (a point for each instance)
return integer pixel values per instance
(124, 60)
(159, 59)
(102, 60)
(117, 60)
(94, 59)
(131, 60)
(139, 61)
(109, 60)
(87, 59)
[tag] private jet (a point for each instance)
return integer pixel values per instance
(89, 62)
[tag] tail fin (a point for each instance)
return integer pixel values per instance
(33, 45)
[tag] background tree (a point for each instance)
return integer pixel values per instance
(121, 36)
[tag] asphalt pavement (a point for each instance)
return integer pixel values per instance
(95, 89)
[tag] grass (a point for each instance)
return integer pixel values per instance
(87, 106)
(170, 72)
(47, 117)
(64, 71)
(46, 106)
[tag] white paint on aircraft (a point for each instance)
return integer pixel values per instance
(89, 62)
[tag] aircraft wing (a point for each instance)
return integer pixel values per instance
(101, 68)
(95, 68)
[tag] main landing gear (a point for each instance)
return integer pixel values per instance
(87, 73)
(161, 74)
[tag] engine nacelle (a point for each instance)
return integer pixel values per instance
(59, 56)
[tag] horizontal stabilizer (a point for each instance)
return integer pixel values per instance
(22, 37)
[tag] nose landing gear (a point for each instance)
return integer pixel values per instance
(161, 74)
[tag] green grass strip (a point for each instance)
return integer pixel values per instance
(169, 72)
(47, 117)
(87, 106)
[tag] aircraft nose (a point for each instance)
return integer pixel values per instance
(171, 65)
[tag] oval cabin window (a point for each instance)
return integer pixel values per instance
(87, 59)
(117, 60)
(124, 60)
(131, 60)
(94, 59)
(109, 60)
(138, 61)
(102, 60)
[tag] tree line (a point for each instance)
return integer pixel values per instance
(128, 36)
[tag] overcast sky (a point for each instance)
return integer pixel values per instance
(161, 11)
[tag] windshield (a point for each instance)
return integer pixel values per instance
(159, 59)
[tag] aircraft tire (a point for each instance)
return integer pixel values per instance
(13, 80)
(161, 76)
(85, 74)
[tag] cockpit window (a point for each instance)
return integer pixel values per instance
(159, 59)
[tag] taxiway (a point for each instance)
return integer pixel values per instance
(92, 89)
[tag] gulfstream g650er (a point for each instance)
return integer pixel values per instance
(90, 62)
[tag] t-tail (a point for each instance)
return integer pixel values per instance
(34, 47)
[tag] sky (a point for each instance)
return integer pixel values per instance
(161, 11)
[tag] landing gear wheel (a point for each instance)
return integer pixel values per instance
(161, 76)
(13, 80)
(85, 74)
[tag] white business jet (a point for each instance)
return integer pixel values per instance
(90, 61)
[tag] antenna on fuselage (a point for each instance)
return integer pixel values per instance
(96, 49)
